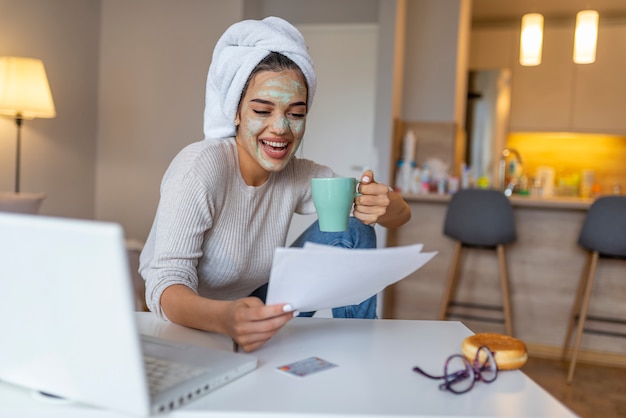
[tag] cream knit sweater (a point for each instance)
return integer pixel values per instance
(215, 234)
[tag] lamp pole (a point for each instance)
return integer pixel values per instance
(18, 122)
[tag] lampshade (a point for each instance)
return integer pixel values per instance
(531, 40)
(586, 37)
(24, 89)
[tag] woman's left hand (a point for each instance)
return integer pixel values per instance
(374, 199)
(378, 204)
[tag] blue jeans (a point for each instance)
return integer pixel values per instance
(358, 235)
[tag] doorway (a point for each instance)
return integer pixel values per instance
(340, 125)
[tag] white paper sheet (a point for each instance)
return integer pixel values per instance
(320, 277)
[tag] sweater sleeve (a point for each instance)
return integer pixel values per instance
(175, 242)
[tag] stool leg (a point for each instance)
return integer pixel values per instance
(451, 282)
(583, 316)
(576, 306)
(504, 288)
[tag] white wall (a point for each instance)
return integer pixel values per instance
(154, 57)
(315, 12)
(58, 155)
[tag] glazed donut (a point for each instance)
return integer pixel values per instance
(509, 353)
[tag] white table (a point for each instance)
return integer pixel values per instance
(373, 377)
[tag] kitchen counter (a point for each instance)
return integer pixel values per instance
(544, 265)
(552, 202)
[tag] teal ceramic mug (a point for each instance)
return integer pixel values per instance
(333, 199)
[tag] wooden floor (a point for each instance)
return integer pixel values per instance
(597, 391)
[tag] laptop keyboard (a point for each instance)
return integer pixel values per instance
(163, 374)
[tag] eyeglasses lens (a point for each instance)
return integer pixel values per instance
(459, 374)
(486, 364)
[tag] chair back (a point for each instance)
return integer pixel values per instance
(604, 228)
(480, 217)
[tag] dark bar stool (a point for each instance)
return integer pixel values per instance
(603, 235)
(479, 218)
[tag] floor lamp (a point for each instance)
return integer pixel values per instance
(24, 94)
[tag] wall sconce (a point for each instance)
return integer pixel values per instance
(531, 40)
(586, 37)
(24, 94)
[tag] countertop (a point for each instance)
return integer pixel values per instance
(553, 202)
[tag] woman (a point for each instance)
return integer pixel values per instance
(227, 201)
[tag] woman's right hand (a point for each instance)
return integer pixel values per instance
(248, 321)
(251, 323)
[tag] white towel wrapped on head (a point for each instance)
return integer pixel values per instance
(237, 52)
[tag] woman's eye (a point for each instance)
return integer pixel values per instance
(298, 115)
(261, 112)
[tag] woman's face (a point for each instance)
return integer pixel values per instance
(271, 119)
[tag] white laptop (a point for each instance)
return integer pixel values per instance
(68, 327)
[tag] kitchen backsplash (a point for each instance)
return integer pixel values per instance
(572, 155)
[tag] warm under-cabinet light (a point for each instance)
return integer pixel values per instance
(531, 40)
(586, 37)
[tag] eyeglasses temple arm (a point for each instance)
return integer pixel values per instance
(430, 376)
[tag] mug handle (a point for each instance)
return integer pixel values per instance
(356, 188)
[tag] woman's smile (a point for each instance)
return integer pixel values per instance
(276, 149)
(271, 120)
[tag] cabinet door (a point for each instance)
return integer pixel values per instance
(600, 102)
(492, 48)
(541, 96)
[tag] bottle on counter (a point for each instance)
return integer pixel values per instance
(466, 181)
(586, 183)
(453, 184)
(416, 180)
(425, 177)
(404, 176)
(616, 189)
(523, 186)
(399, 186)
(409, 177)
(441, 186)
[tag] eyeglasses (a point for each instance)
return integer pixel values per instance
(460, 374)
